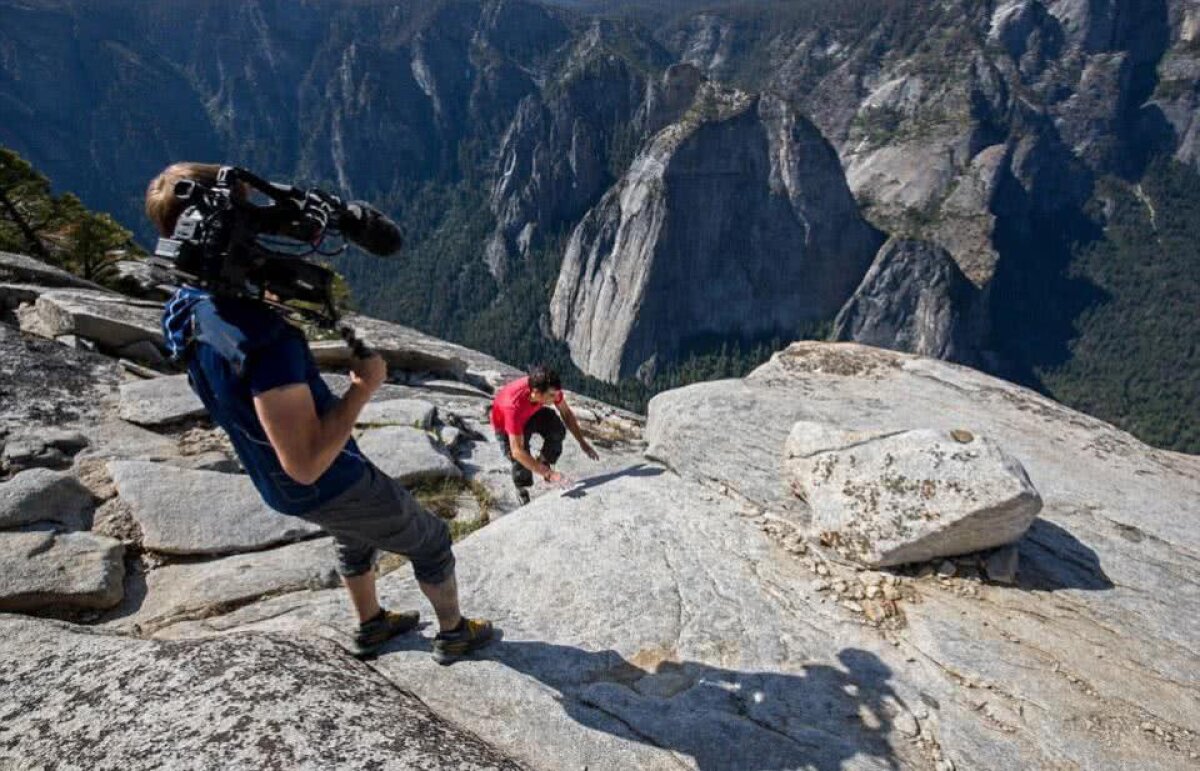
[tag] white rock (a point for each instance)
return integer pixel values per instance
(451, 437)
(47, 570)
(195, 590)
(406, 454)
(159, 401)
(200, 512)
(893, 498)
(41, 495)
(75, 698)
(413, 413)
(112, 320)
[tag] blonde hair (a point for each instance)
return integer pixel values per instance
(162, 207)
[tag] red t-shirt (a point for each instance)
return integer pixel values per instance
(512, 409)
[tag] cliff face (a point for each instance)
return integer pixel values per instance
(915, 298)
(369, 98)
(563, 147)
(989, 131)
(917, 98)
(733, 220)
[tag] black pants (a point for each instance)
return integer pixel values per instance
(547, 424)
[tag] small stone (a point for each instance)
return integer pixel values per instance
(872, 592)
(69, 442)
(874, 611)
(822, 570)
(962, 436)
(821, 586)
(852, 606)
(870, 578)
(840, 587)
(1148, 726)
(1001, 565)
(891, 593)
(946, 569)
(451, 437)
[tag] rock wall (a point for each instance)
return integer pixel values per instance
(733, 220)
(915, 298)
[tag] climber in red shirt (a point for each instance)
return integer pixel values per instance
(520, 410)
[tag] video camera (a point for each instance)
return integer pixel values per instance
(229, 244)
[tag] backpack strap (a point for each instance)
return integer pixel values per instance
(238, 329)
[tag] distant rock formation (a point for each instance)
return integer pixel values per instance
(735, 219)
(915, 299)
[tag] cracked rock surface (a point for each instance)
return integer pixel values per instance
(101, 701)
(672, 612)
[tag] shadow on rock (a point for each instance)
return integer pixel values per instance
(725, 720)
(637, 470)
(1053, 559)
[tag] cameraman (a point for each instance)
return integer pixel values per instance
(257, 377)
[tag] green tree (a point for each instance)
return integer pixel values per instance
(57, 229)
(26, 206)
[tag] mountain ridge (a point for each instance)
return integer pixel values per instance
(996, 132)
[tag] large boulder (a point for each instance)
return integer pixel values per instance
(173, 593)
(119, 439)
(111, 320)
(182, 511)
(64, 570)
(41, 495)
(159, 401)
(893, 498)
(76, 698)
(407, 454)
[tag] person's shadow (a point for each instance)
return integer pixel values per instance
(725, 720)
(580, 488)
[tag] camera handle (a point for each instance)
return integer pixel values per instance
(357, 347)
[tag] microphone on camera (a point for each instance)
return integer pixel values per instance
(371, 229)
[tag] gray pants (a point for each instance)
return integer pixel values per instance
(377, 512)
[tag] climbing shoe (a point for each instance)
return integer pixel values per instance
(471, 634)
(374, 633)
(523, 495)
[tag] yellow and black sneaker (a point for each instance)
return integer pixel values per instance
(470, 635)
(374, 633)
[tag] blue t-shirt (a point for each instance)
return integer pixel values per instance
(237, 349)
